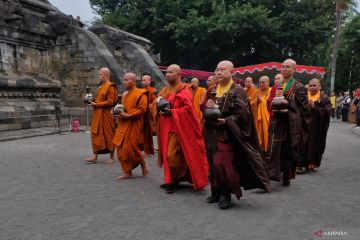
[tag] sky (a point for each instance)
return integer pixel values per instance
(82, 8)
(75, 8)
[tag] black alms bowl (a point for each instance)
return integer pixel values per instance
(212, 114)
(163, 104)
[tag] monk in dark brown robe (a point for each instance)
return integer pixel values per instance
(103, 124)
(232, 147)
(320, 111)
(288, 125)
(133, 133)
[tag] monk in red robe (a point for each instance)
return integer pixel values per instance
(103, 124)
(181, 145)
(133, 133)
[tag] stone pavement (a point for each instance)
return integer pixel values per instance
(48, 193)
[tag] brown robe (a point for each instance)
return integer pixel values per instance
(133, 135)
(103, 124)
(320, 120)
(288, 133)
(233, 150)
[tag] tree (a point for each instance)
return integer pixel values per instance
(199, 33)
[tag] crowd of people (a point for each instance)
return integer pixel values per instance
(346, 107)
(231, 136)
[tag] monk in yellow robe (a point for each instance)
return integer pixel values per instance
(198, 98)
(263, 113)
(146, 83)
(133, 133)
(252, 94)
(103, 124)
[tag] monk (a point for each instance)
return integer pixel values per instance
(133, 133)
(232, 147)
(198, 97)
(252, 94)
(103, 124)
(146, 83)
(287, 128)
(320, 112)
(278, 79)
(181, 145)
(263, 116)
(211, 81)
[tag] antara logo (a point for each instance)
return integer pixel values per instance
(322, 234)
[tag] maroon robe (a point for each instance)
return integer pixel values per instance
(233, 150)
(288, 133)
(320, 120)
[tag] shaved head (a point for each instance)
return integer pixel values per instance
(264, 83)
(278, 78)
(288, 68)
(195, 83)
(173, 74)
(129, 80)
(223, 71)
(104, 74)
(249, 82)
(314, 86)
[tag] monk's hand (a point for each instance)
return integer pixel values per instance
(167, 112)
(259, 98)
(91, 103)
(210, 103)
(124, 115)
(311, 104)
(221, 121)
(279, 93)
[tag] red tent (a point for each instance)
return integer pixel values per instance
(303, 73)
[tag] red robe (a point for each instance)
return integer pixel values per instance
(184, 123)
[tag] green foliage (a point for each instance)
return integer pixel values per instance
(198, 33)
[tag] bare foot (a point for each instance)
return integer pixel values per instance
(92, 159)
(125, 176)
(109, 161)
(144, 169)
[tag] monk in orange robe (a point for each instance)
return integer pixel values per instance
(252, 94)
(198, 98)
(263, 113)
(133, 133)
(146, 83)
(103, 124)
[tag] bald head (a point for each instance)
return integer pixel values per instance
(278, 78)
(104, 74)
(211, 81)
(223, 71)
(129, 80)
(264, 83)
(249, 82)
(288, 68)
(314, 86)
(194, 83)
(173, 74)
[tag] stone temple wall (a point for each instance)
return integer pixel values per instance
(47, 59)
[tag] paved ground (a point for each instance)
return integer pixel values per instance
(47, 192)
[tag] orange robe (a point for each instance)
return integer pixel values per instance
(263, 118)
(103, 124)
(252, 96)
(133, 135)
(198, 99)
(152, 104)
